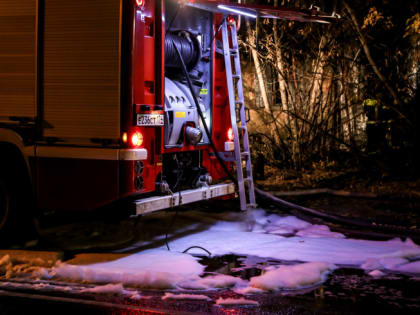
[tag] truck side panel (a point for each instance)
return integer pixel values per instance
(81, 102)
(82, 68)
(17, 58)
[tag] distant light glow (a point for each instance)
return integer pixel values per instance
(140, 3)
(237, 11)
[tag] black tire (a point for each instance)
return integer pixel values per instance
(17, 223)
(7, 219)
(4, 206)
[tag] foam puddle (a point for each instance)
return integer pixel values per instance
(315, 250)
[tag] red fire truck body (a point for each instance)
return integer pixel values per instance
(85, 118)
(95, 107)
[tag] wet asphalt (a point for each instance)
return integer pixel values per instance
(346, 291)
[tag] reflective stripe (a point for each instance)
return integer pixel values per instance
(133, 154)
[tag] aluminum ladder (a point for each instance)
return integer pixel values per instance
(237, 103)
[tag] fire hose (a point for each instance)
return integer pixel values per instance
(395, 230)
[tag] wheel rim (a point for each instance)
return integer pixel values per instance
(4, 205)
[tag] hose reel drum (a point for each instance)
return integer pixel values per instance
(180, 112)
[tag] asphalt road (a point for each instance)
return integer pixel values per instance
(347, 291)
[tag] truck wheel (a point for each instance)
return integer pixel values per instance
(16, 227)
(4, 206)
(5, 213)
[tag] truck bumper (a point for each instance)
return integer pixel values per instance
(152, 204)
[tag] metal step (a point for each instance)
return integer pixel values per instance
(153, 204)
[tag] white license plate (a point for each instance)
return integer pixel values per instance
(150, 120)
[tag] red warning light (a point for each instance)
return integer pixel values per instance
(137, 139)
(231, 19)
(140, 3)
(230, 134)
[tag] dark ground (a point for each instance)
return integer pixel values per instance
(391, 201)
(347, 290)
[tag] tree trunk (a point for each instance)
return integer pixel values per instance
(369, 56)
(258, 69)
(280, 66)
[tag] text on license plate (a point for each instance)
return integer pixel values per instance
(150, 120)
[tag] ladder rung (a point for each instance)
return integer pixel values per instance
(236, 76)
(242, 127)
(219, 50)
(247, 180)
(233, 51)
(245, 154)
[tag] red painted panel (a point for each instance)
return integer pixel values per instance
(143, 91)
(144, 56)
(221, 111)
(75, 184)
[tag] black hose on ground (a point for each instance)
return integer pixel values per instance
(199, 247)
(339, 219)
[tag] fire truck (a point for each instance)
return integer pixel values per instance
(134, 101)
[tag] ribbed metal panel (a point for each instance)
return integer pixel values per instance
(17, 58)
(82, 68)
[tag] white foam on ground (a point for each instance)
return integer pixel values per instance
(305, 249)
(413, 267)
(376, 273)
(291, 277)
(137, 296)
(391, 263)
(280, 230)
(240, 301)
(319, 231)
(371, 264)
(383, 263)
(212, 282)
(260, 216)
(150, 269)
(106, 289)
(248, 290)
(229, 233)
(185, 296)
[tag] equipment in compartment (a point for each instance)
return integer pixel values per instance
(188, 31)
(183, 171)
(180, 114)
(187, 44)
